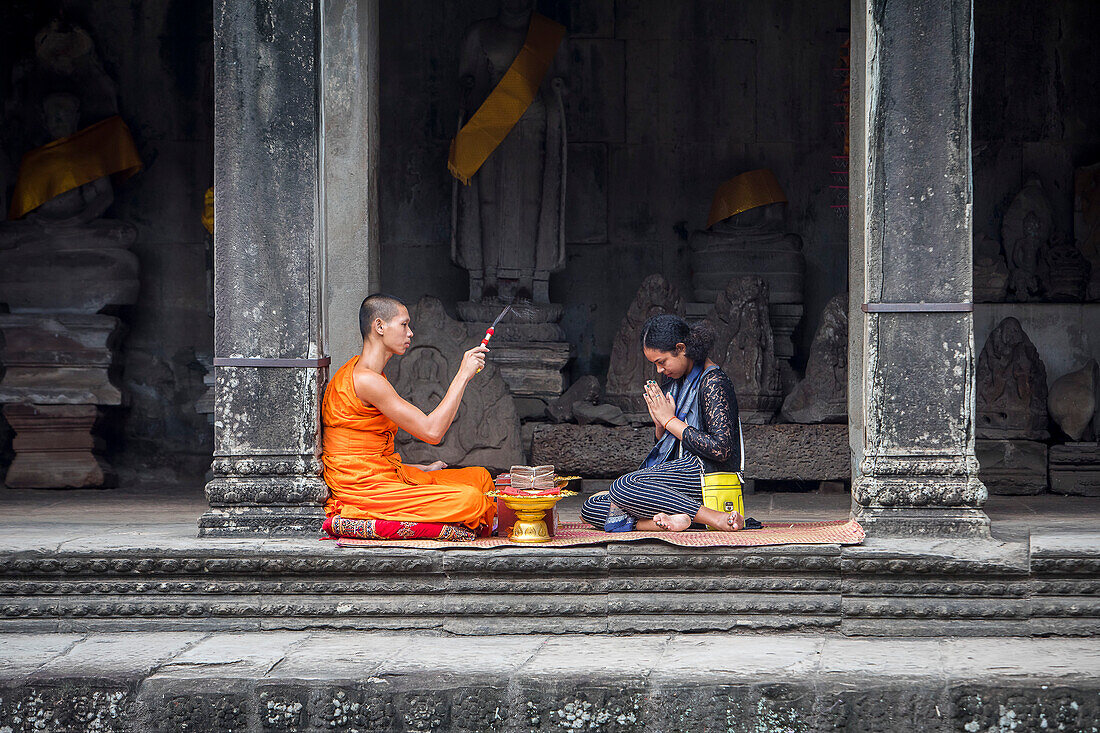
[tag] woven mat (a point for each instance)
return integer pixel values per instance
(570, 534)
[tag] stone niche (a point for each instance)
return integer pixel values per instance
(65, 271)
(485, 431)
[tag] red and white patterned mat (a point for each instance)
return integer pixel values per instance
(570, 534)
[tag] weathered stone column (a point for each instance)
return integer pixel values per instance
(268, 262)
(349, 73)
(911, 395)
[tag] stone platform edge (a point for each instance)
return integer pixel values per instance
(896, 588)
(364, 681)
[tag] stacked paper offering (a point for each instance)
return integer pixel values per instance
(532, 478)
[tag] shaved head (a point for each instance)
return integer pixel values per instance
(378, 305)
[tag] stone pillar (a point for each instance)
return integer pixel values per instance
(349, 72)
(268, 262)
(911, 391)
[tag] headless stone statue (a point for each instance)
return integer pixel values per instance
(1011, 386)
(486, 430)
(755, 243)
(62, 256)
(744, 347)
(822, 396)
(61, 266)
(507, 224)
(629, 369)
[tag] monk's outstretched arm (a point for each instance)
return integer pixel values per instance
(374, 389)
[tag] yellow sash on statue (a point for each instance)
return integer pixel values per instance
(103, 149)
(511, 97)
(744, 192)
(208, 210)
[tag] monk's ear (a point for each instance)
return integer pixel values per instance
(378, 324)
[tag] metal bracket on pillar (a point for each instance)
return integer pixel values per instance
(915, 308)
(255, 361)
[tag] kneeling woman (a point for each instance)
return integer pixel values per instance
(697, 432)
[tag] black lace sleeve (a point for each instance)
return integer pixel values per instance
(718, 441)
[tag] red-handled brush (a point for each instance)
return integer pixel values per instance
(492, 327)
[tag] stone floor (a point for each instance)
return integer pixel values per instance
(352, 680)
(167, 517)
(306, 681)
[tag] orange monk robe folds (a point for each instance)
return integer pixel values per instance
(369, 481)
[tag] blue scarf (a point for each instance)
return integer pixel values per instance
(685, 393)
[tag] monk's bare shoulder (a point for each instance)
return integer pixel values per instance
(370, 386)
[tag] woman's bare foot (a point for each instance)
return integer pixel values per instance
(673, 522)
(722, 521)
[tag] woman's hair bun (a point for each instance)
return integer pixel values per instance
(663, 331)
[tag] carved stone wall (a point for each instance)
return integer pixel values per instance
(486, 430)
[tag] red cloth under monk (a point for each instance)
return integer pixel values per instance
(367, 479)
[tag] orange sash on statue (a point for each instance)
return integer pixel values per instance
(367, 479)
(103, 149)
(505, 105)
(744, 192)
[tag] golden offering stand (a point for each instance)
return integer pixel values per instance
(530, 509)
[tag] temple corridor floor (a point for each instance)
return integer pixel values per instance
(166, 517)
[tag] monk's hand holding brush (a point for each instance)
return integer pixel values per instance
(473, 361)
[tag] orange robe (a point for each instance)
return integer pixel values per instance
(367, 479)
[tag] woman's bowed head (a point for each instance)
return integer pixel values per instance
(694, 424)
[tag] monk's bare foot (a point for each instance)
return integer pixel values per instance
(673, 522)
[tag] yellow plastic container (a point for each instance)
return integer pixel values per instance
(722, 492)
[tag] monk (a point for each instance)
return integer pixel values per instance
(361, 414)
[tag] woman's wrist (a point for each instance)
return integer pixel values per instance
(664, 425)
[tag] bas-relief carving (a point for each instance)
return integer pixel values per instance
(744, 347)
(629, 370)
(507, 224)
(822, 395)
(485, 431)
(1011, 386)
(1043, 264)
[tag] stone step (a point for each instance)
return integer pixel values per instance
(892, 587)
(364, 681)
